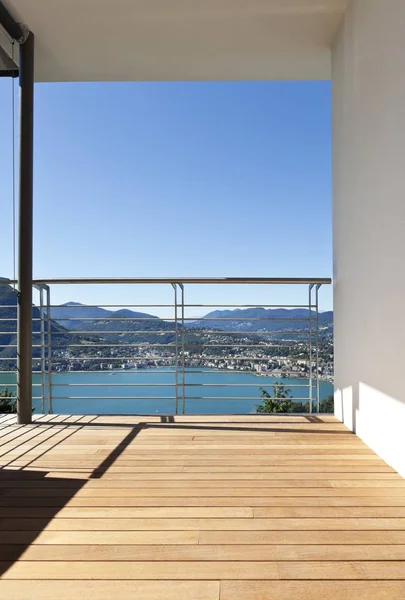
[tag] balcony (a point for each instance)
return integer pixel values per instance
(174, 504)
(218, 507)
(172, 346)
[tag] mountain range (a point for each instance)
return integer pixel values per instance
(256, 320)
(122, 329)
(249, 320)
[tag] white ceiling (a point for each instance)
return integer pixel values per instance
(137, 40)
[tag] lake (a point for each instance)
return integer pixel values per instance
(152, 391)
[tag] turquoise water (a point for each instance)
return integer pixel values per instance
(114, 392)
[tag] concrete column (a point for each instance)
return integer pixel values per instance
(369, 224)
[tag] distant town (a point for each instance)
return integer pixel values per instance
(292, 361)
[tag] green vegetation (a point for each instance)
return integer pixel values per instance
(281, 402)
(278, 403)
(8, 404)
(327, 405)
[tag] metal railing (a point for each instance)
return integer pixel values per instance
(182, 341)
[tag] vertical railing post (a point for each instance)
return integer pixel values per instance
(176, 349)
(310, 346)
(42, 345)
(317, 346)
(49, 353)
(25, 233)
(183, 383)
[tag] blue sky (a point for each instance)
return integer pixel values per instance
(183, 179)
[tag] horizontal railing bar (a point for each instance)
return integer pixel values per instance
(15, 385)
(58, 359)
(15, 373)
(118, 371)
(34, 333)
(215, 385)
(70, 306)
(14, 398)
(250, 333)
(109, 319)
(194, 319)
(113, 384)
(36, 346)
(171, 305)
(55, 398)
(103, 359)
(15, 358)
(165, 358)
(139, 345)
(145, 345)
(195, 345)
(245, 306)
(240, 384)
(14, 319)
(152, 371)
(184, 280)
(189, 332)
(97, 333)
(170, 319)
(258, 398)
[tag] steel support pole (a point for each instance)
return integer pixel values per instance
(25, 233)
(310, 346)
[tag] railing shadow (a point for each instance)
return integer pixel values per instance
(20, 492)
(118, 450)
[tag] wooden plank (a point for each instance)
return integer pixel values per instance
(223, 463)
(99, 537)
(192, 484)
(303, 537)
(32, 488)
(284, 512)
(320, 512)
(237, 538)
(171, 475)
(203, 570)
(363, 569)
(101, 590)
(186, 524)
(238, 450)
(241, 553)
(60, 501)
(134, 513)
(321, 470)
(311, 590)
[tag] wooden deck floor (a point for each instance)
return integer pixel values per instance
(197, 508)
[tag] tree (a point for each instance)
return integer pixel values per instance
(327, 405)
(279, 402)
(7, 403)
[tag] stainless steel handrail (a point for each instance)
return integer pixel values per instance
(186, 280)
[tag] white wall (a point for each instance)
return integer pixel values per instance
(368, 69)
